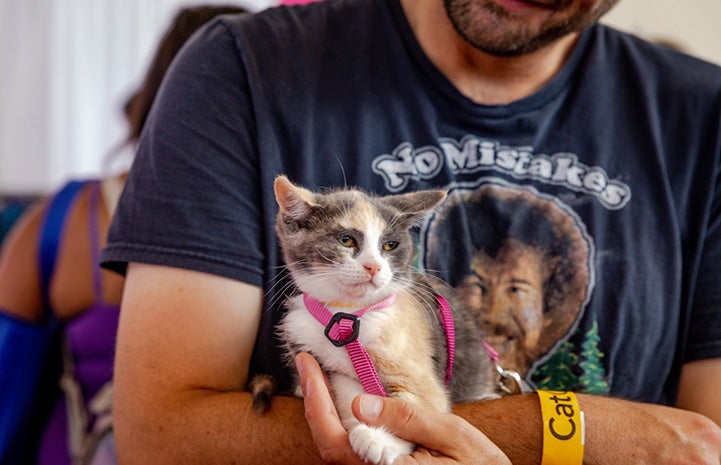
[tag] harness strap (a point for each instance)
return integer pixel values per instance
(342, 329)
(51, 234)
(450, 330)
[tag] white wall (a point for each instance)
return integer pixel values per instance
(39, 38)
(66, 68)
(693, 24)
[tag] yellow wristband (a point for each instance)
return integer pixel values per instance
(563, 428)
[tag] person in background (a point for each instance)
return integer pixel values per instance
(83, 297)
(392, 96)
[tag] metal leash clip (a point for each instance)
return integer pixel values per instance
(509, 381)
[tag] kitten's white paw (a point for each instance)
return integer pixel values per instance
(377, 445)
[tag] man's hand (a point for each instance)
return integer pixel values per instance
(458, 442)
(620, 431)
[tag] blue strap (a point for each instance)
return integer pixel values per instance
(51, 234)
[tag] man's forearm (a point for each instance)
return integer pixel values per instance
(216, 428)
(617, 431)
(513, 423)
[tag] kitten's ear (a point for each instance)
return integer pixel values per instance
(294, 201)
(417, 205)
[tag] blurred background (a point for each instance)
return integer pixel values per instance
(67, 66)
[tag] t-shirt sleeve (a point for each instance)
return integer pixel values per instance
(192, 199)
(704, 336)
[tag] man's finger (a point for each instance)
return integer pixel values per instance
(328, 433)
(319, 408)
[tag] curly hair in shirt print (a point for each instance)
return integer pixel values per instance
(527, 278)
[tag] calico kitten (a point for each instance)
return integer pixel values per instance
(349, 250)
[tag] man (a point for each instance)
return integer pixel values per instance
(396, 95)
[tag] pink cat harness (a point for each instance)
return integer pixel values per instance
(342, 329)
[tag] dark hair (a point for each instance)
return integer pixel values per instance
(186, 22)
(485, 219)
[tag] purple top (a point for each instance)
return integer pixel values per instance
(91, 339)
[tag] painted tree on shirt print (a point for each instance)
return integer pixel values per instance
(592, 380)
(557, 373)
(565, 370)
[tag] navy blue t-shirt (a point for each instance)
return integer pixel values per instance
(583, 224)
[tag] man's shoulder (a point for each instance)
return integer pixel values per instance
(659, 64)
(303, 42)
(308, 22)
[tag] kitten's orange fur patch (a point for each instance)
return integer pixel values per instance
(403, 357)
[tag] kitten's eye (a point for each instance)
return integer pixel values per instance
(390, 245)
(347, 241)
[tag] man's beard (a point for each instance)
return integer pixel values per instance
(492, 29)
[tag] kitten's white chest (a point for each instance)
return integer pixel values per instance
(305, 333)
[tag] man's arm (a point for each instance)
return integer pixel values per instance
(184, 345)
(617, 431)
(700, 387)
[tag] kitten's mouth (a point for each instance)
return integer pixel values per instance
(361, 289)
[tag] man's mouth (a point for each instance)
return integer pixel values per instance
(516, 5)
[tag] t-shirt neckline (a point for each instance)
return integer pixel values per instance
(443, 85)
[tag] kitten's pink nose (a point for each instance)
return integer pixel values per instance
(372, 269)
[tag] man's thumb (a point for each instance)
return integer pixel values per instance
(369, 407)
(399, 417)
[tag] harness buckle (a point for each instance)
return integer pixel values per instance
(509, 381)
(336, 319)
